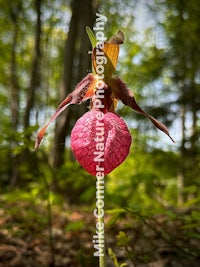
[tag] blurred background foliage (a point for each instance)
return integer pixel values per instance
(44, 54)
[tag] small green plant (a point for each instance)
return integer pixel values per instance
(114, 258)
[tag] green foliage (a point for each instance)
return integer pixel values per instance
(172, 228)
(75, 226)
(75, 184)
(25, 208)
(114, 258)
(151, 179)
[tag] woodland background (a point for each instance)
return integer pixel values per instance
(46, 198)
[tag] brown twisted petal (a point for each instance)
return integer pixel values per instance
(123, 93)
(83, 91)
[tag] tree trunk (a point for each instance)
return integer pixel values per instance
(13, 87)
(35, 71)
(76, 64)
(181, 173)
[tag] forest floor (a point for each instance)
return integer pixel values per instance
(29, 239)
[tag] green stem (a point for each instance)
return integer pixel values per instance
(102, 262)
(102, 257)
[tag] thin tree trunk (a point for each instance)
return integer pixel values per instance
(14, 91)
(35, 71)
(76, 64)
(14, 87)
(181, 173)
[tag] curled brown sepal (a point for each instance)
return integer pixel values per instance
(117, 39)
(123, 93)
(83, 91)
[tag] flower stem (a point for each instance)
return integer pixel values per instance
(102, 262)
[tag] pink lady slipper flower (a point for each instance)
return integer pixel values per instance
(100, 139)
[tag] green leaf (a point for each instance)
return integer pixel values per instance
(123, 239)
(91, 37)
(117, 210)
(190, 226)
(196, 215)
(75, 226)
